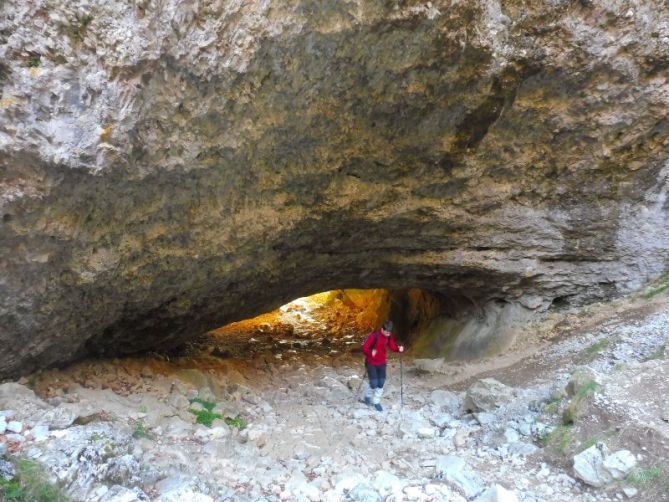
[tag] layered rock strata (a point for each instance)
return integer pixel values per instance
(167, 167)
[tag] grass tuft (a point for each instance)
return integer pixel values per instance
(643, 475)
(560, 438)
(30, 485)
(586, 390)
(597, 347)
(575, 406)
(597, 438)
(658, 355)
(660, 286)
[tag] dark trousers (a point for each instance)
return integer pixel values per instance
(377, 375)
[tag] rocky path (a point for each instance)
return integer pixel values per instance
(581, 417)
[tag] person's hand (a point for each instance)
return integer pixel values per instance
(401, 347)
(373, 352)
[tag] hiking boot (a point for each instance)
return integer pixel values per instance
(367, 401)
(378, 407)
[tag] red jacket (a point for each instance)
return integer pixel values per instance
(380, 346)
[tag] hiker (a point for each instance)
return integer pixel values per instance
(374, 349)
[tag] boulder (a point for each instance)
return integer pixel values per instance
(589, 466)
(486, 395)
(455, 471)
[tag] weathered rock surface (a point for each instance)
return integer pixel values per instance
(167, 168)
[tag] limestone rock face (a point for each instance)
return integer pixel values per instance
(166, 167)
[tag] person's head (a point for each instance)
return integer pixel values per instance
(387, 328)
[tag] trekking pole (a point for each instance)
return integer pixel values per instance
(357, 394)
(401, 382)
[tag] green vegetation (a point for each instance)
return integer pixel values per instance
(140, 431)
(597, 347)
(587, 389)
(30, 485)
(207, 405)
(553, 403)
(207, 416)
(659, 287)
(33, 61)
(560, 438)
(236, 422)
(95, 437)
(109, 449)
(658, 355)
(575, 407)
(643, 475)
(597, 438)
(142, 409)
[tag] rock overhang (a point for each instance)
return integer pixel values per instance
(478, 151)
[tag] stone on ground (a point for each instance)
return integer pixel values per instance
(620, 463)
(363, 492)
(497, 493)
(446, 400)
(589, 466)
(7, 471)
(486, 395)
(15, 426)
(456, 471)
(387, 484)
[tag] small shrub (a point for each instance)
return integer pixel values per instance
(236, 422)
(30, 485)
(33, 61)
(109, 449)
(95, 437)
(140, 431)
(205, 417)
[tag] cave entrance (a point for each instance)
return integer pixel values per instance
(331, 323)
